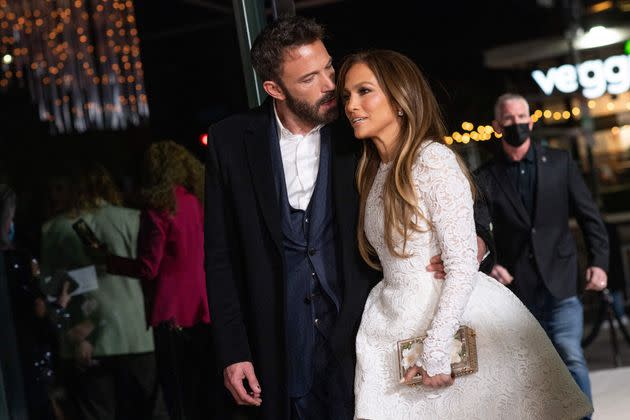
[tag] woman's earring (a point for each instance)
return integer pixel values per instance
(400, 113)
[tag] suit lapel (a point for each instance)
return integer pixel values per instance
(258, 138)
(345, 203)
(343, 167)
(499, 170)
(321, 192)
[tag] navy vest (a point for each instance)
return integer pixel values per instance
(312, 288)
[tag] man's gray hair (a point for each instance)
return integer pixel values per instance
(506, 97)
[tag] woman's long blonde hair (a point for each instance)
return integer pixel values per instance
(407, 90)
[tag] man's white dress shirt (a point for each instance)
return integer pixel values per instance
(300, 160)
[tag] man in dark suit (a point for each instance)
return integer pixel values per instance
(286, 283)
(531, 192)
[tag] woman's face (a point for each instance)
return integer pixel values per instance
(368, 109)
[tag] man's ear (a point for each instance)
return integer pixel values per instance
(274, 90)
(497, 127)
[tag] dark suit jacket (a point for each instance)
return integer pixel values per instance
(244, 259)
(483, 226)
(543, 249)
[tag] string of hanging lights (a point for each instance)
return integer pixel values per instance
(80, 60)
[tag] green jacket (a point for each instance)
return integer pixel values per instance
(118, 312)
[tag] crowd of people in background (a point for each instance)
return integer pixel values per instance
(117, 330)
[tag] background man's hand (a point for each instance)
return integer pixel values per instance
(596, 279)
(233, 377)
(501, 274)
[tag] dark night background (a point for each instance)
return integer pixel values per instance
(193, 76)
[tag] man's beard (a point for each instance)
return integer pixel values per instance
(310, 113)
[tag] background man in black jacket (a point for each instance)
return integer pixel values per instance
(531, 192)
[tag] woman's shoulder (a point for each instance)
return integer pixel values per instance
(117, 212)
(61, 222)
(433, 154)
(185, 198)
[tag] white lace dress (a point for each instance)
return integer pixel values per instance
(520, 375)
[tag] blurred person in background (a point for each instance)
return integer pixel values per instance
(170, 263)
(36, 320)
(108, 350)
(58, 190)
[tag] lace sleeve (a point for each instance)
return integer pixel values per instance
(445, 190)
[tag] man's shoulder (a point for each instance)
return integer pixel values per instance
(252, 119)
(554, 153)
(223, 136)
(558, 159)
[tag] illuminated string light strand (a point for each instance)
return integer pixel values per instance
(80, 60)
(481, 133)
(486, 132)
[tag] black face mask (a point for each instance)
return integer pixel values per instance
(516, 134)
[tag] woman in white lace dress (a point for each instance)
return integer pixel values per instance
(417, 201)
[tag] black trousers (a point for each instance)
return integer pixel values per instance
(328, 398)
(186, 370)
(116, 388)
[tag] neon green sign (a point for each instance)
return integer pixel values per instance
(627, 47)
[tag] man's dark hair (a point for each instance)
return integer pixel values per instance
(269, 47)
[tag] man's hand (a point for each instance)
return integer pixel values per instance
(501, 274)
(596, 279)
(233, 376)
(436, 265)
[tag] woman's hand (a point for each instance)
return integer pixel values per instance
(438, 381)
(98, 254)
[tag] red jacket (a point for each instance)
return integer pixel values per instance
(170, 262)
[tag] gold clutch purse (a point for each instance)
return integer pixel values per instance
(463, 355)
